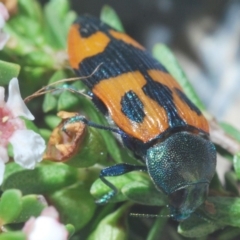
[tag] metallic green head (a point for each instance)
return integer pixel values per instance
(182, 166)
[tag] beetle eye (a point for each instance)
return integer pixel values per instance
(178, 198)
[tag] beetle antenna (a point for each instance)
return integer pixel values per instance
(49, 88)
(146, 215)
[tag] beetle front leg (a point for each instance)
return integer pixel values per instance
(116, 170)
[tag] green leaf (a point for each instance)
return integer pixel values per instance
(231, 183)
(216, 184)
(39, 58)
(27, 31)
(45, 133)
(232, 131)
(10, 206)
(30, 9)
(67, 101)
(196, 227)
(52, 121)
(110, 17)
(217, 213)
(99, 189)
(13, 236)
(71, 230)
(50, 101)
(163, 54)
(93, 150)
(32, 206)
(30, 125)
(236, 164)
(144, 193)
(114, 226)
(75, 205)
(224, 210)
(8, 71)
(110, 141)
(56, 11)
(158, 226)
(47, 177)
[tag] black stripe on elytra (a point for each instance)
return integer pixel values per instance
(163, 96)
(185, 99)
(132, 107)
(117, 58)
(88, 25)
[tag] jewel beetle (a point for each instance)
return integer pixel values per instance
(148, 109)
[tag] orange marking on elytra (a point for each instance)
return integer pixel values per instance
(111, 91)
(124, 37)
(184, 111)
(80, 48)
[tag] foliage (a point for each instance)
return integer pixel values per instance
(36, 54)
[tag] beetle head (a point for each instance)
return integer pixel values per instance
(182, 166)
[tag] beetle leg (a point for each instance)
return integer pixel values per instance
(116, 170)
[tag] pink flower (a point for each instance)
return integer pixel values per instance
(46, 226)
(28, 146)
(3, 18)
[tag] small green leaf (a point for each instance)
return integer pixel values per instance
(163, 54)
(216, 184)
(231, 183)
(75, 205)
(55, 12)
(8, 71)
(28, 30)
(100, 189)
(52, 121)
(114, 226)
(47, 177)
(39, 58)
(110, 141)
(144, 193)
(45, 133)
(71, 230)
(110, 17)
(30, 125)
(236, 164)
(196, 227)
(13, 236)
(50, 101)
(92, 150)
(224, 210)
(232, 131)
(32, 206)
(159, 225)
(31, 9)
(10, 205)
(67, 101)
(216, 213)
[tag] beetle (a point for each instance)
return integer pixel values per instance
(149, 111)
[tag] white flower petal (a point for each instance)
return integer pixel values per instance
(2, 169)
(2, 95)
(28, 148)
(3, 12)
(15, 102)
(47, 228)
(3, 154)
(50, 212)
(3, 39)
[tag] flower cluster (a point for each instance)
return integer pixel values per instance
(28, 146)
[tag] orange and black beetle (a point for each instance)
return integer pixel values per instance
(154, 118)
